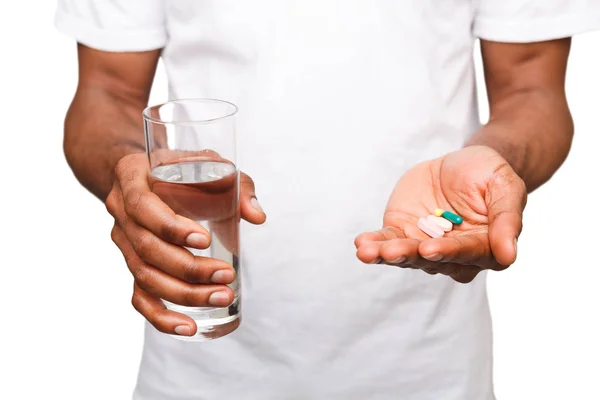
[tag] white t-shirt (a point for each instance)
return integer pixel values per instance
(337, 99)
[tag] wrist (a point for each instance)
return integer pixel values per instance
(495, 136)
(532, 130)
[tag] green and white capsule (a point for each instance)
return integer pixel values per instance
(455, 219)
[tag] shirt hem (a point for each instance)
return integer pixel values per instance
(532, 30)
(121, 40)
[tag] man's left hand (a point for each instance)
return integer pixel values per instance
(476, 183)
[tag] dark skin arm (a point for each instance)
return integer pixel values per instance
(104, 145)
(530, 124)
(527, 138)
(104, 121)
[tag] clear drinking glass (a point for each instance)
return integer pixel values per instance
(191, 146)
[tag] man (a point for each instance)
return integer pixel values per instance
(342, 103)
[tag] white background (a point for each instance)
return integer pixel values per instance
(68, 330)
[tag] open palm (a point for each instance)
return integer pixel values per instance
(478, 184)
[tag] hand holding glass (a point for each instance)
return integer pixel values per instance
(191, 147)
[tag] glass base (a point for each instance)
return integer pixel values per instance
(212, 322)
(212, 331)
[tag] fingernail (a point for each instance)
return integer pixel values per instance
(220, 299)
(256, 205)
(399, 260)
(378, 260)
(197, 240)
(516, 246)
(183, 330)
(434, 257)
(224, 276)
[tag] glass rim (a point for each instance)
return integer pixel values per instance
(146, 112)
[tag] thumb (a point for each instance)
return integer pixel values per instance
(506, 200)
(250, 208)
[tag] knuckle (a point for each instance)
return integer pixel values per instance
(142, 244)
(114, 234)
(147, 311)
(524, 198)
(122, 166)
(141, 275)
(169, 230)
(506, 177)
(504, 174)
(136, 302)
(246, 178)
(192, 297)
(135, 202)
(190, 271)
(520, 185)
(111, 203)
(127, 257)
(246, 182)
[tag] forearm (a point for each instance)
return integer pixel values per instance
(530, 124)
(104, 122)
(100, 129)
(532, 130)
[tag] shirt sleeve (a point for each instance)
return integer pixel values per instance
(114, 25)
(522, 21)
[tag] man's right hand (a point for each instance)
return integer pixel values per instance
(151, 237)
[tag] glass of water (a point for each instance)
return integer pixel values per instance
(191, 146)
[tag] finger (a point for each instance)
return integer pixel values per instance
(164, 286)
(163, 319)
(387, 233)
(404, 253)
(172, 259)
(506, 201)
(369, 244)
(175, 260)
(400, 251)
(369, 253)
(464, 249)
(250, 207)
(147, 210)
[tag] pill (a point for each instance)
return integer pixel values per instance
(438, 212)
(441, 222)
(430, 228)
(455, 219)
